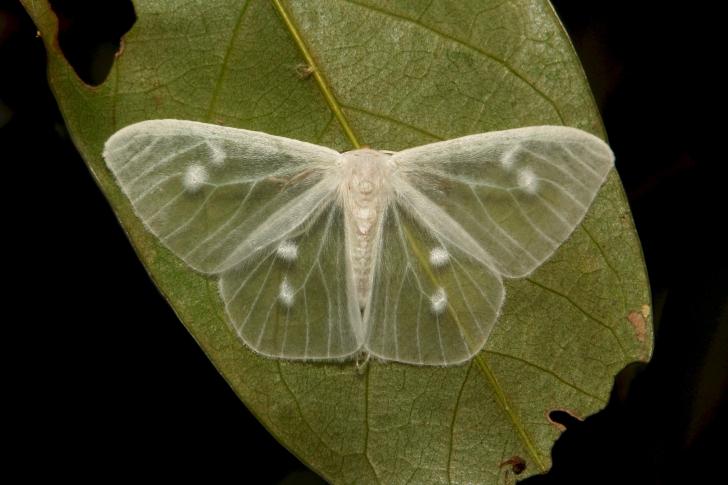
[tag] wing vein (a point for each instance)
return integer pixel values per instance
(222, 226)
(588, 167)
(538, 157)
(530, 221)
(566, 193)
(156, 213)
(138, 197)
(502, 231)
(189, 220)
(121, 169)
(245, 281)
(162, 161)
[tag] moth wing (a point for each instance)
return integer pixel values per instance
(516, 194)
(259, 211)
(431, 303)
(297, 300)
(216, 195)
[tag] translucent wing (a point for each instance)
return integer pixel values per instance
(293, 300)
(513, 196)
(259, 211)
(431, 302)
(216, 195)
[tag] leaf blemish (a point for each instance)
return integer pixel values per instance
(639, 320)
(517, 464)
(121, 48)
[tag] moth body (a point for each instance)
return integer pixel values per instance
(364, 194)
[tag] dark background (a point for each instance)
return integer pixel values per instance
(107, 401)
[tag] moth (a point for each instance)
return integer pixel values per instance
(322, 255)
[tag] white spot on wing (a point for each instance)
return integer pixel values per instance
(218, 155)
(195, 177)
(527, 181)
(439, 257)
(285, 293)
(287, 251)
(509, 158)
(438, 301)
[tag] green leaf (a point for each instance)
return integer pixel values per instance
(390, 75)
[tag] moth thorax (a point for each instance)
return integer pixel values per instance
(364, 196)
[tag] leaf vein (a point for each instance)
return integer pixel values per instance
(549, 372)
(482, 52)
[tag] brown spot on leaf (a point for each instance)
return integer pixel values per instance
(517, 464)
(120, 50)
(158, 100)
(638, 319)
(625, 219)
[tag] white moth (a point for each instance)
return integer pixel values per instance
(323, 255)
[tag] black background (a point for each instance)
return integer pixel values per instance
(107, 383)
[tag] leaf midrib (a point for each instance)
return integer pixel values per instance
(321, 81)
(335, 106)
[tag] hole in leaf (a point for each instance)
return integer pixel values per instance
(89, 34)
(563, 418)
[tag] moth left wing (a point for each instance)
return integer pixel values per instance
(431, 303)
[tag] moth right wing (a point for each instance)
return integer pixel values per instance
(258, 210)
(467, 212)
(296, 299)
(216, 195)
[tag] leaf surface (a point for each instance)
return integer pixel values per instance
(389, 75)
